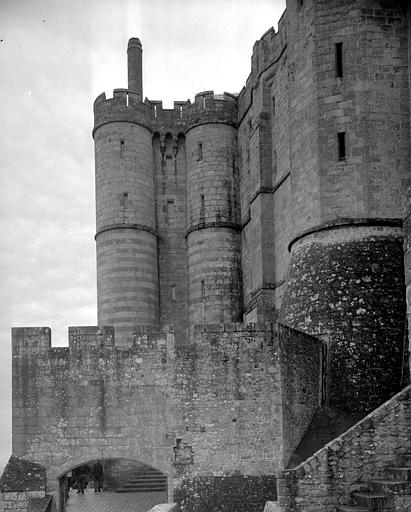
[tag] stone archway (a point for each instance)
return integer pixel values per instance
(121, 476)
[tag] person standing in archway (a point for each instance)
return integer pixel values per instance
(98, 476)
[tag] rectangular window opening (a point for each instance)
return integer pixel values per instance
(155, 110)
(170, 212)
(200, 151)
(127, 100)
(202, 289)
(341, 146)
(173, 292)
(273, 105)
(125, 199)
(204, 105)
(181, 112)
(122, 148)
(338, 60)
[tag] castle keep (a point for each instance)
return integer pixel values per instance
(250, 276)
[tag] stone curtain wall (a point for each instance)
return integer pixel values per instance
(214, 407)
(235, 395)
(349, 461)
(91, 400)
(230, 410)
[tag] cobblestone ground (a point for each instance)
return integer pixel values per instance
(112, 502)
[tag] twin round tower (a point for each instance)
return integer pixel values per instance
(282, 203)
(168, 224)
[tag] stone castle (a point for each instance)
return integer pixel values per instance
(252, 342)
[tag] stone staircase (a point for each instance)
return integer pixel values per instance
(390, 494)
(149, 480)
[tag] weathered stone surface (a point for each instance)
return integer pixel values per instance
(347, 463)
(243, 493)
(348, 284)
(215, 406)
(243, 208)
(23, 475)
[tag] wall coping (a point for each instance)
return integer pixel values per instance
(379, 413)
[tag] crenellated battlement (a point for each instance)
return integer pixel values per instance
(266, 53)
(125, 105)
(37, 340)
(269, 48)
(211, 108)
(34, 340)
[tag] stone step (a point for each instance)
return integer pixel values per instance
(161, 481)
(399, 473)
(135, 476)
(146, 472)
(370, 500)
(391, 486)
(143, 483)
(351, 508)
(141, 489)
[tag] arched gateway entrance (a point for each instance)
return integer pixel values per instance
(127, 485)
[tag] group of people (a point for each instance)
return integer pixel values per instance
(83, 474)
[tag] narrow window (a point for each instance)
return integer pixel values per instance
(301, 2)
(341, 146)
(203, 101)
(181, 112)
(202, 289)
(170, 212)
(127, 101)
(202, 206)
(122, 148)
(155, 110)
(173, 292)
(273, 105)
(125, 199)
(338, 60)
(200, 151)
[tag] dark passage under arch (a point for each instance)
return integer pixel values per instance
(121, 476)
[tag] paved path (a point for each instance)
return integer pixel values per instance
(113, 502)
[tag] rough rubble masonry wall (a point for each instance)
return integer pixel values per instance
(213, 407)
(347, 463)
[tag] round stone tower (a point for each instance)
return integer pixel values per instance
(213, 237)
(127, 271)
(346, 273)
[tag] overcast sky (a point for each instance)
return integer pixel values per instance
(56, 56)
